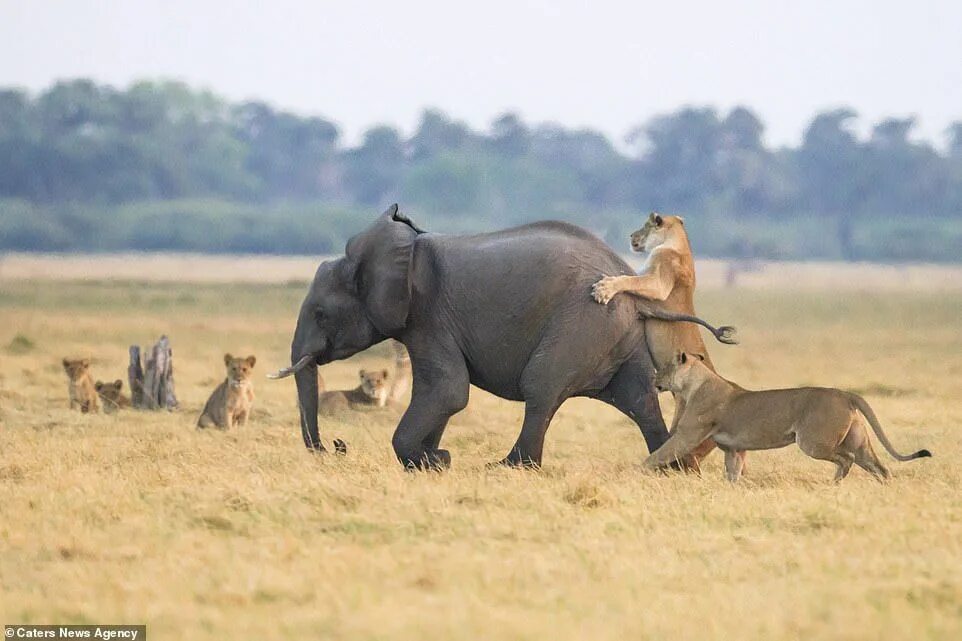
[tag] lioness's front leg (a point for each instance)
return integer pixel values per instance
(651, 286)
(679, 445)
(734, 464)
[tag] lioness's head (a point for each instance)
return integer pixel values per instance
(679, 373)
(657, 230)
(76, 368)
(239, 369)
(109, 391)
(374, 382)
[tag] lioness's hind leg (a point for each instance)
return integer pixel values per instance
(858, 445)
(866, 459)
(843, 463)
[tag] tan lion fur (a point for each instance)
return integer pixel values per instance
(112, 396)
(232, 401)
(80, 385)
(828, 424)
(372, 392)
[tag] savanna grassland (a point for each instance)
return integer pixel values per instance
(139, 518)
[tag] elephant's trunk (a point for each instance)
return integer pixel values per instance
(306, 378)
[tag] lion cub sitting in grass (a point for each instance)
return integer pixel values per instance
(828, 424)
(80, 386)
(112, 396)
(231, 402)
(372, 392)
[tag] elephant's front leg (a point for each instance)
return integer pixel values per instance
(440, 390)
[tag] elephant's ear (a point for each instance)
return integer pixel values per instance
(381, 257)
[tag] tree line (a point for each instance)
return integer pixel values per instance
(159, 165)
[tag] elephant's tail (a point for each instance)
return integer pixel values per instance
(724, 334)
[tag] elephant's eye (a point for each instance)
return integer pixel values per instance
(319, 315)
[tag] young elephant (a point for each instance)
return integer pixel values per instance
(826, 423)
(233, 399)
(112, 396)
(80, 387)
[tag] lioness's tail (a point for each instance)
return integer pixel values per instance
(867, 412)
(724, 334)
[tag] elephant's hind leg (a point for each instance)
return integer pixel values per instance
(632, 392)
(528, 449)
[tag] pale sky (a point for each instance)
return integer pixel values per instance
(605, 65)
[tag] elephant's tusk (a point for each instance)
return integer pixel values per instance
(296, 367)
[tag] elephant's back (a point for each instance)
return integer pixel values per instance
(507, 292)
(534, 248)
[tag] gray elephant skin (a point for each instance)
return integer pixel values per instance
(509, 311)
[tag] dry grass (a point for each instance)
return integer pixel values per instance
(139, 518)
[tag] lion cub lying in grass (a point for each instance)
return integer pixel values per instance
(80, 386)
(233, 399)
(826, 423)
(112, 396)
(372, 392)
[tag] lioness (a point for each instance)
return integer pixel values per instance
(233, 399)
(668, 275)
(80, 386)
(826, 423)
(112, 395)
(372, 392)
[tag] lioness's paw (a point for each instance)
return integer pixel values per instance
(605, 289)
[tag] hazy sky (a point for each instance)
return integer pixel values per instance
(607, 65)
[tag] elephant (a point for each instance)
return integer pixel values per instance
(508, 311)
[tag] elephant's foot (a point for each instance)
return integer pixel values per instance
(429, 460)
(340, 447)
(519, 460)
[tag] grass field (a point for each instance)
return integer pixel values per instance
(139, 518)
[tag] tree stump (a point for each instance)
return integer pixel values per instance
(152, 383)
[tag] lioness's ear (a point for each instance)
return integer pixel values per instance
(98, 385)
(658, 220)
(227, 359)
(362, 373)
(251, 360)
(385, 373)
(66, 363)
(85, 363)
(119, 384)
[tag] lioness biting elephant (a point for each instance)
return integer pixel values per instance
(828, 424)
(508, 311)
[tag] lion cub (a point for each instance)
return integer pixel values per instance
(233, 399)
(372, 392)
(112, 396)
(80, 387)
(828, 424)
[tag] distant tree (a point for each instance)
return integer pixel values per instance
(831, 171)
(287, 153)
(677, 170)
(509, 136)
(437, 134)
(373, 170)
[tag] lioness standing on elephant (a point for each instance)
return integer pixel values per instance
(668, 275)
(827, 424)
